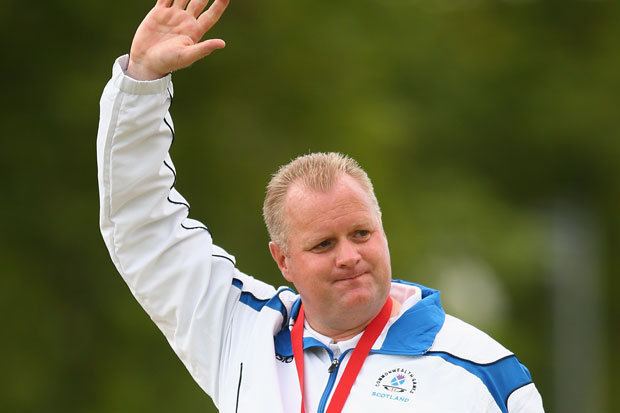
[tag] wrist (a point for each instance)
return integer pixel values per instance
(138, 71)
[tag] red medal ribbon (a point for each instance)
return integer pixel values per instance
(372, 331)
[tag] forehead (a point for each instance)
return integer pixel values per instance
(312, 210)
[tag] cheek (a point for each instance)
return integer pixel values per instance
(379, 254)
(313, 270)
(309, 268)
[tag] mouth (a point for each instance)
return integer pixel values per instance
(351, 277)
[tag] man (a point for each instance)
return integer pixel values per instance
(353, 340)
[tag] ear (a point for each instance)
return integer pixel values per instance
(280, 258)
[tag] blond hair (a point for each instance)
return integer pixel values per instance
(315, 171)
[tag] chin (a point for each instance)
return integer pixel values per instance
(358, 300)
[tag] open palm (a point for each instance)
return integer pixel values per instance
(169, 37)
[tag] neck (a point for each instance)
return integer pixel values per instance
(338, 335)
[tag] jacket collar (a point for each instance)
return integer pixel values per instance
(411, 335)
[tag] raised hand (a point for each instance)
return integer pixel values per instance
(169, 37)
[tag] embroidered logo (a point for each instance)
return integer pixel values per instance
(396, 384)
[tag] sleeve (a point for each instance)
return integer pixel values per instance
(182, 280)
(525, 399)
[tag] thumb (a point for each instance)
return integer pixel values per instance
(197, 51)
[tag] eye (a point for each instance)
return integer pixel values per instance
(361, 234)
(323, 245)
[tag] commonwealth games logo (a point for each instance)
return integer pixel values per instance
(397, 381)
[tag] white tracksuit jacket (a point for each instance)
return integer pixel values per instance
(232, 331)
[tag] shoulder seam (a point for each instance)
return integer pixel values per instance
(514, 390)
(470, 361)
(226, 258)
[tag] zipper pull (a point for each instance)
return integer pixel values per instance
(333, 366)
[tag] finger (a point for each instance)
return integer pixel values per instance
(197, 51)
(164, 3)
(212, 15)
(180, 3)
(195, 7)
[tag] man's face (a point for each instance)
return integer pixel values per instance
(337, 254)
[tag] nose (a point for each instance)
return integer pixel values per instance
(348, 255)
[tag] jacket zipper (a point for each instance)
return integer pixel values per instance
(333, 373)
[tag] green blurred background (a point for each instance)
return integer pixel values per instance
(490, 129)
